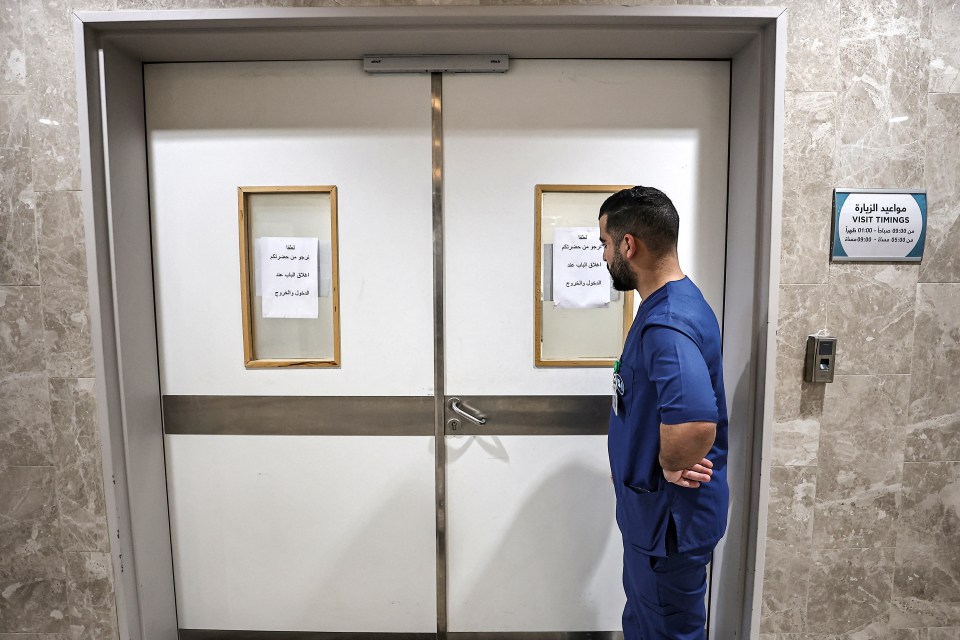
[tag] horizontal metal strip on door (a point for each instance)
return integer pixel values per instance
(299, 415)
(529, 415)
(210, 634)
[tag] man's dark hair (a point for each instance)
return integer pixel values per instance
(646, 213)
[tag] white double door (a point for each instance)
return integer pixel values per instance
(338, 532)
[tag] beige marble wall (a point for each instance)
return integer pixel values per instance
(863, 538)
(864, 530)
(56, 577)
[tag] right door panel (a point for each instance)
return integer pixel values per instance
(532, 541)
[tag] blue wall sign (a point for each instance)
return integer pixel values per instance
(879, 225)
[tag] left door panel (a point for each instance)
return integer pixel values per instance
(273, 531)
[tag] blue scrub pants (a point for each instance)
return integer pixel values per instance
(665, 596)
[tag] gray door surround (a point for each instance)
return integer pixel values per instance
(110, 50)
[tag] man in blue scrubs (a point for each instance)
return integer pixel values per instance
(668, 423)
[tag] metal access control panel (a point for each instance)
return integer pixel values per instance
(821, 358)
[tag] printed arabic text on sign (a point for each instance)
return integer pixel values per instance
(288, 271)
(580, 277)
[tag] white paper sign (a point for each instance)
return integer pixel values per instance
(288, 276)
(580, 276)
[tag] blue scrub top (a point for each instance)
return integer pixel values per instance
(670, 372)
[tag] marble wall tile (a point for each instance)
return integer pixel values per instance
(66, 323)
(808, 179)
(881, 129)
(92, 608)
(883, 66)
(18, 235)
(813, 30)
(284, 3)
(54, 134)
(14, 120)
(786, 576)
(885, 41)
(812, 35)
(13, 68)
(788, 556)
(622, 3)
(18, 228)
(241, 4)
(32, 636)
(906, 634)
(56, 153)
(945, 43)
(26, 435)
(78, 462)
(21, 330)
(396, 3)
(791, 505)
(194, 4)
(33, 606)
(337, 3)
(884, 56)
(860, 461)
(29, 524)
(928, 547)
(941, 262)
(942, 633)
(519, 2)
(870, 309)
(933, 432)
(850, 590)
(795, 442)
(882, 631)
(802, 311)
(63, 260)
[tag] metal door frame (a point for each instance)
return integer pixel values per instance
(111, 48)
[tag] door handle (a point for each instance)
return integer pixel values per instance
(455, 407)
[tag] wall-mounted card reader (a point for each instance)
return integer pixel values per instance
(821, 358)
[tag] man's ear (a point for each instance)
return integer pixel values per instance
(633, 246)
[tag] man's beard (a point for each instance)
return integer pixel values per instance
(623, 277)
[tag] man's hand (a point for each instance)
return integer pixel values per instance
(692, 477)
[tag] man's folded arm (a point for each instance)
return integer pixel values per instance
(684, 445)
